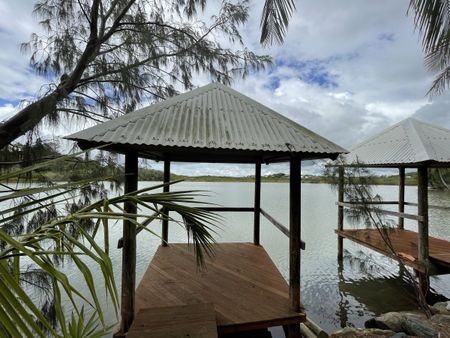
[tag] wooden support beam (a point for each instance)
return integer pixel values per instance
(341, 213)
(165, 222)
(257, 217)
(129, 245)
(422, 210)
(294, 241)
(401, 197)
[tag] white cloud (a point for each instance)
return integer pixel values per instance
(17, 82)
(6, 110)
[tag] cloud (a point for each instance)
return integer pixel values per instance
(366, 63)
(6, 110)
(347, 70)
(18, 82)
(436, 112)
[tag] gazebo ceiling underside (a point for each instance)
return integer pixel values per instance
(210, 124)
(409, 144)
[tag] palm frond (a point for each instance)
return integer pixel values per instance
(432, 20)
(275, 20)
(57, 236)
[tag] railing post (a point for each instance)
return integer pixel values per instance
(257, 212)
(341, 212)
(165, 222)
(294, 241)
(422, 210)
(401, 197)
(129, 245)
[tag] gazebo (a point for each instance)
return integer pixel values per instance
(408, 144)
(217, 124)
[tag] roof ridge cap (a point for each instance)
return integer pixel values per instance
(424, 144)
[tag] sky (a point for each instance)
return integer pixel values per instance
(347, 70)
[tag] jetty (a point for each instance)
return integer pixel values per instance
(409, 144)
(240, 289)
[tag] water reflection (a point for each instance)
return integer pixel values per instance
(367, 283)
(334, 295)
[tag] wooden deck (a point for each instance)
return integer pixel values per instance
(405, 244)
(196, 320)
(241, 281)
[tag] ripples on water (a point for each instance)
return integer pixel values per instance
(334, 296)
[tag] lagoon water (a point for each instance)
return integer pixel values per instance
(334, 296)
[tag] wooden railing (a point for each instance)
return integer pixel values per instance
(272, 220)
(280, 226)
(386, 212)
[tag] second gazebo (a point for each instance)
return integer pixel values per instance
(408, 144)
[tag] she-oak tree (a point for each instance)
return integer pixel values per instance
(110, 55)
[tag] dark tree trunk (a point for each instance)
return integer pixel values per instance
(27, 119)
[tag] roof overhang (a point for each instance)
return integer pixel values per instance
(206, 155)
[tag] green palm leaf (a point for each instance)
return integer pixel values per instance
(275, 20)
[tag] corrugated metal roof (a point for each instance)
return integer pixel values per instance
(213, 117)
(409, 142)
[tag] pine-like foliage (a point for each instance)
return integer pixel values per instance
(108, 56)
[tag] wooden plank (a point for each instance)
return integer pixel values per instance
(229, 209)
(257, 202)
(194, 320)
(277, 224)
(387, 212)
(403, 241)
(165, 222)
(247, 290)
(371, 238)
(280, 226)
(129, 245)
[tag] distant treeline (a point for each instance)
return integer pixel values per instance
(104, 164)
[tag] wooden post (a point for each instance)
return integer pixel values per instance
(422, 210)
(341, 213)
(165, 222)
(401, 196)
(294, 241)
(129, 245)
(257, 212)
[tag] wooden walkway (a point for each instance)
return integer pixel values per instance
(241, 282)
(405, 244)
